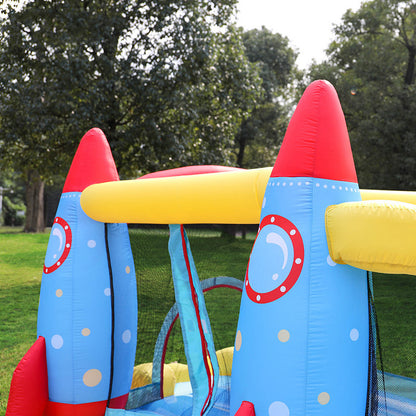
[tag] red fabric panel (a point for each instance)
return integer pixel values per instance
(189, 170)
(246, 409)
(119, 402)
(84, 409)
(29, 387)
(316, 143)
(93, 163)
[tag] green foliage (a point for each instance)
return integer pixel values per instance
(261, 134)
(371, 63)
(167, 81)
(13, 198)
(13, 214)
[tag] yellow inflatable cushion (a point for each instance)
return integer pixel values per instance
(215, 198)
(379, 236)
(225, 360)
(180, 371)
(142, 376)
(227, 198)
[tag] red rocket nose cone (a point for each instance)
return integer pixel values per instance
(93, 163)
(316, 143)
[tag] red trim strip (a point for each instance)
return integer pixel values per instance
(205, 353)
(165, 345)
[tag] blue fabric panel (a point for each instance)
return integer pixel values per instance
(301, 348)
(195, 323)
(75, 307)
(125, 308)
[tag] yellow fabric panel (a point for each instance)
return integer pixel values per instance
(379, 236)
(226, 197)
(402, 196)
(142, 376)
(225, 360)
(180, 371)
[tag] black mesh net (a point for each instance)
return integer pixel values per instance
(220, 254)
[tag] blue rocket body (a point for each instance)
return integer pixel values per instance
(302, 342)
(87, 309)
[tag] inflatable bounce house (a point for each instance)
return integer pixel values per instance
(305, 339)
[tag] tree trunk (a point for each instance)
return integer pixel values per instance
(410, 70)
(34, 203)
(241, 139)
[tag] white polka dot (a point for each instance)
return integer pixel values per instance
(307, 183)
(272, 219)
(278, 184)
(275, 276)
(91, 243)
(57, 342)
(126, 336)
(318, 185)
(283, 289)
(346, 188)
(323, 398)
(330, 261)
(284, 183)
(283, 335)
(247, 282)
(291, 184)
(59, 293)
(86, 332)
(278, 409)
(58, 263)
(333, 186)
(340, 188)
(127, 269)
(107, 291)
(92, 377)
(292, 232)
(66, 227)
(299, 183)
(238, 340)
(298, 261)
(68, 245)
(325, 186)
(264, 203)
(258, 297)
(354, 334)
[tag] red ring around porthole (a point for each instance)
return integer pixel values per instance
(298, 259)
(67, 247)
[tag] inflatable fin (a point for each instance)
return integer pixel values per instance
(246, 409)
(196, 329)
(379, 236)
(29, 388)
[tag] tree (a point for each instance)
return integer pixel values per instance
(167, 81)
(261, 134)
(371, 63)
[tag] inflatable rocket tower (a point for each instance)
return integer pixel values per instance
(88, 292)
(303, 328)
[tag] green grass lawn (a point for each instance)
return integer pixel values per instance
(21, 260)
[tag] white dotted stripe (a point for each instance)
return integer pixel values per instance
(317, 185)
(67, 195)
